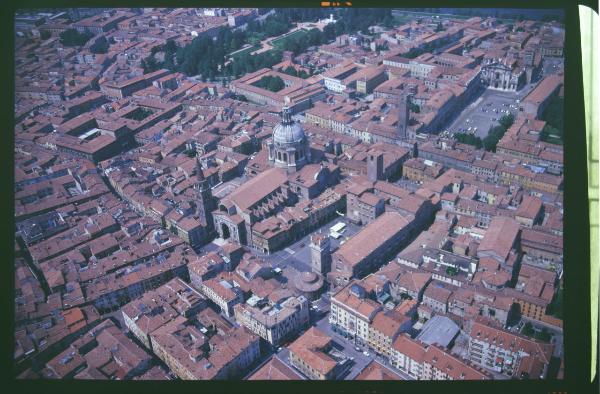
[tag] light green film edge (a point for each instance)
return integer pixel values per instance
(588, 21)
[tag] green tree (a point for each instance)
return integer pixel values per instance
(388, 21)
(276, 84)
(72, 37)
(290, 70)
(551, 134)
(100, 46)
(150, 64)
(468, 139)
(543, 335)
(329, 32)
(171, 46)
(414, 108)
(528, 329)
(507, 120)
(45, 34)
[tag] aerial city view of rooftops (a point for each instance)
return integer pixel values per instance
(288, 194)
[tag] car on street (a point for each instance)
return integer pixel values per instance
(366, 353)
(357, 348)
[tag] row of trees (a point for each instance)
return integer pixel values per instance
(491, 140)
(555, 308)
(301, 42)
(210, 58)
(497, 132)
(249, 63)
(470, 139)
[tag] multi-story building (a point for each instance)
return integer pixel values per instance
(320, 253)
(436, 297)
(144, 315)
(500, 239)
(447, 156)
(423, 362)
(191, 355)
(120, 287)
(312, 354)
(352, 312)
(362, 205)
(368, 79)
(542, 247)
(537, 100)
(507, 353)
(384, 329)
(273, 323)
(225, 293)
(417, 69)
(127, 88)
(502, 74)
(367, 250)
(205, 267)
(335, 78)
(420, 170)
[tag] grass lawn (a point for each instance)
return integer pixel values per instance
(244, 51)
(278, 42)
(553, 140)
(408, 16)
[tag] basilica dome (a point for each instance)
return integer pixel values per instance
(289, 148)
(288, 131)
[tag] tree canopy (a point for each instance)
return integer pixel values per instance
(470, 139)
(274, 84)
(291, 70)
(72, 37)
(554, 115)
(496, 133)
(100, 46)
(211, 58)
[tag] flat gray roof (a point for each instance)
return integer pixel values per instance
(439, 330)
